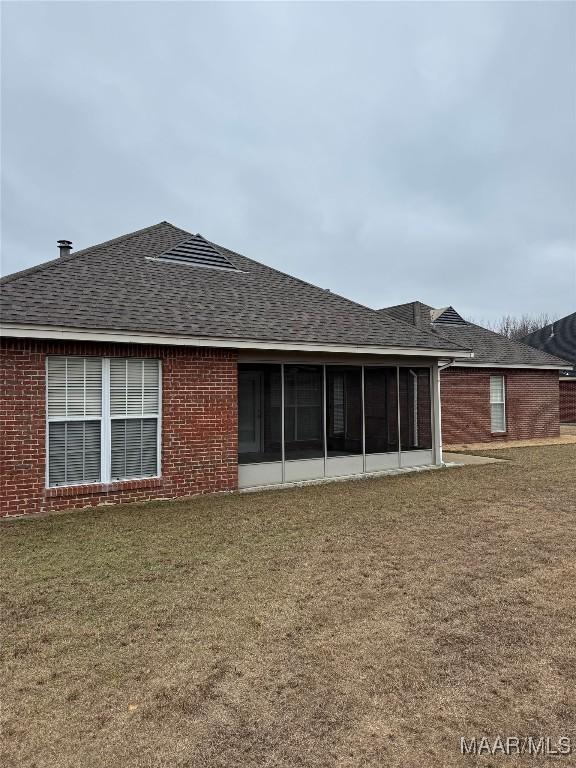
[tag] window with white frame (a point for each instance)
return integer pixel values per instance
(134, 407)
(103, 419)
(497, 404)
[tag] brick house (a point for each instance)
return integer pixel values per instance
(509, 391)
(559, 338)
(159, 365)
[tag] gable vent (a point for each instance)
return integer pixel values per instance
(447, 316)
(197, 252)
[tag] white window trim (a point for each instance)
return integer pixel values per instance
(63, 420)
(498, 402)
(105, 419)
(105, 433)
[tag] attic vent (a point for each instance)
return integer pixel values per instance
(447, 316)
(199, 253)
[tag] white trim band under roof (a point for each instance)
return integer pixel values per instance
(79, 334)
(472, 364)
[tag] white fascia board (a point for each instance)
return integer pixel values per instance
(472, 364)
(79, 334)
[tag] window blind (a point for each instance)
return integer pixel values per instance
(338, 404)
(103, 419)
(74, 452)
(74, 409)
(134, 396)
(133, 448)
(74, 387)
(134, 387)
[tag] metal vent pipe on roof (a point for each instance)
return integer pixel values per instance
(65, 247)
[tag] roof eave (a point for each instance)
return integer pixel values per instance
(127, 337)
(540, 366)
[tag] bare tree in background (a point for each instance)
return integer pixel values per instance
(516, 328)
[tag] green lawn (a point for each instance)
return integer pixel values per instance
(366, 623)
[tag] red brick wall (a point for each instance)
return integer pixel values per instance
(199, 426)
(532, 403)
(568, 401)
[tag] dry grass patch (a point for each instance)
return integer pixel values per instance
(369, 623)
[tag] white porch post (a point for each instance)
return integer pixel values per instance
(437, 414)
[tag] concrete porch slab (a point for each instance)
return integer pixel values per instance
(566, 437)
(450, 459)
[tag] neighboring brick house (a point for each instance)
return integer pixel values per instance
(559, 338)
(159, 365)
(508, 392)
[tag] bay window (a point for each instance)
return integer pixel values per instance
(103, 419)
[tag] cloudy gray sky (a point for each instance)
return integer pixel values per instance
(387, 151)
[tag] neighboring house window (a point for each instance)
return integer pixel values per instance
(497, 404)
(103, 419)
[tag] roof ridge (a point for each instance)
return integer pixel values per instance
(292, 277)
(82, 252)
(404, 304)
(438, 332)
(113, 286)
(120, 238)
(549, 325)
(514, 341)
(430, 329)
(338, 295)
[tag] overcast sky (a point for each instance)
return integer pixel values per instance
(388, 151)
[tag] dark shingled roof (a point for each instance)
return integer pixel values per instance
(122, 286)
(558, 338)
(489, 347)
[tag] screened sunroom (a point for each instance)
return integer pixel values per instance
(302, 421)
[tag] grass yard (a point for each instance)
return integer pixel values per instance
(367, 623)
